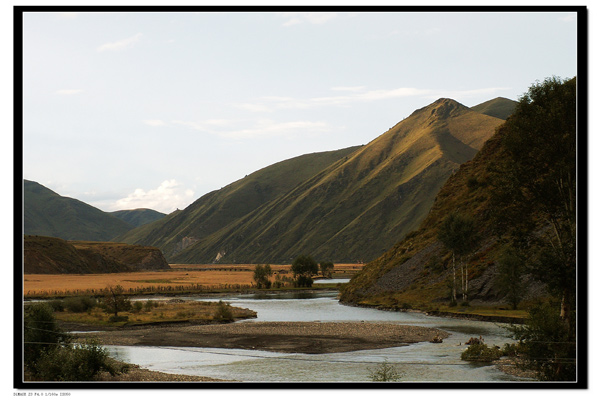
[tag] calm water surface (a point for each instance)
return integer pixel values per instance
(419, 362)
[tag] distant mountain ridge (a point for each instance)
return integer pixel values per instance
(500, 107)
(47, 213)
(353, 208)
(139, 216)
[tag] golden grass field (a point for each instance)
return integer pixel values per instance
(180, 277)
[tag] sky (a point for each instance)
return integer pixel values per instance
(154, 110)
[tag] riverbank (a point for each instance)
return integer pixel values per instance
(284, 337)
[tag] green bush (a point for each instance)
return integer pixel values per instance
(57, 305)
(223, 312)
(138, 306)
(481, 352)
(81, 362)
(80, 304)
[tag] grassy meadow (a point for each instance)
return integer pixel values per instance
(180, 278)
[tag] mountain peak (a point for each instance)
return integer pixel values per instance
(442, 108)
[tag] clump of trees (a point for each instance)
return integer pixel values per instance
(511, 270)
(304, 268)
(262, 275)
(535, 182)
(458, 233)
(326, 268)
(51, 355)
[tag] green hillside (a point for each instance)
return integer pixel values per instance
(219, 208)
(139, 216)
(47, 213)
(500, 107)
(360, 205)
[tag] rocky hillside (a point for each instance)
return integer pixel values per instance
(48, 255)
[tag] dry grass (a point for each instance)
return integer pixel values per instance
(160, 311)
(180, 277)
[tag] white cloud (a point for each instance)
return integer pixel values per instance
(169, 196)
(260, 128)
(154, 122)
(121, 44)
(348, 88)
(569, 18)
(69, 92)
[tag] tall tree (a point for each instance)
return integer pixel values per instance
(538, 181)
(457, 232)
(303, 268)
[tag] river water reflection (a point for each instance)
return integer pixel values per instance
(419, 362)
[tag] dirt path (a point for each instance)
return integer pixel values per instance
(285, 337)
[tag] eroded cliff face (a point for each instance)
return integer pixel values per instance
(48, 255)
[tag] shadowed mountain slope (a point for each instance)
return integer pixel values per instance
(49, 255)
(47, 213)
(360, 205)
(139, 216)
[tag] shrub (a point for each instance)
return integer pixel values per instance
(481, 352)
(223, 312)
(138, 306)
(81, 362)
(80, 304)
(385, 373)
(57, 305)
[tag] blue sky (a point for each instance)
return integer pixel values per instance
(129, 110)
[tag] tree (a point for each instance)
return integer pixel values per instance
(115, 300)
(511, 268)
(537, 182)
(385, 373)
(326, 268)
(303, 268)
(534, 198)
(262, 275)
(457, 232)
(41, 334)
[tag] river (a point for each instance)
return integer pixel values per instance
(421, 362)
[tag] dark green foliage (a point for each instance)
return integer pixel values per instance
(57, 305)
(223, 312)
(81, 362)
(80, 304)
(41, 333)
(114, 300)
(545, 344)
(458, 233)
(537, 181)
(510, 280)
(303, 268)
(326, 268)
(49, 354)
(262, 273)
(137, 306)
(481, 352)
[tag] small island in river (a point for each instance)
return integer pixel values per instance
(284, 337)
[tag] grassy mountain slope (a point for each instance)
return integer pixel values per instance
(49, 255)
(139, 216)
(362, 204)
(219, 208)
(49, 214)
(416, 270)
(500, 107)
